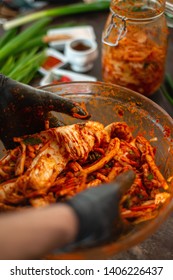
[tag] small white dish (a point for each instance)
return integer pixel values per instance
(70, 33)
(61, 61)
(81, 54)
(61, 75)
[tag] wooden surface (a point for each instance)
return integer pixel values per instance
(160, 244)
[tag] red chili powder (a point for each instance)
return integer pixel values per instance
(50, 62)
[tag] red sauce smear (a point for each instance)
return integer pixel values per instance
(166, 131)
(61, 79)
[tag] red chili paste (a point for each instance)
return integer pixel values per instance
(50, 62)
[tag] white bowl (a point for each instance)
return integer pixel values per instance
(70, 33)
(57, 74)
(81, 54)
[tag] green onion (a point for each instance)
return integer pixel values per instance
(23, 67)
(22, 38)
(8, 66)
(36, 42)
(7, 36)
(23, 60)
(26, 71)
(150, 176)
(59, 11)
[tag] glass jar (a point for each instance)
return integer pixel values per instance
(134, 45)
(169, 13)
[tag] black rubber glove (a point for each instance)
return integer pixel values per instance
(98, 210)
(24, 109)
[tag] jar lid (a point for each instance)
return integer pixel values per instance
(169, 13)
(169, 7)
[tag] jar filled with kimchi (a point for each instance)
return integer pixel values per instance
(134, 45)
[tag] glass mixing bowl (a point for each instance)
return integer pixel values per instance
(109, 103)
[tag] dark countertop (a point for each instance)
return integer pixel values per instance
(160, 245)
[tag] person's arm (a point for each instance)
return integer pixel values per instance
(90, 215)
(24, 110)
(32, 233)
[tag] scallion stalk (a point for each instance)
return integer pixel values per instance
(59, 11)
(7, 36)
(38, 41)
(27, 65)
(8, 65)
(21, 62)
(22, 38)
(23, 67)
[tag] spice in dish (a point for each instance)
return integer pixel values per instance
(80, 46)
(51, 62)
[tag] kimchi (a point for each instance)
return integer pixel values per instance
(56, 164)
(138, 61)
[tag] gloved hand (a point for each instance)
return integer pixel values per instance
(24, 109)
(98, 210)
